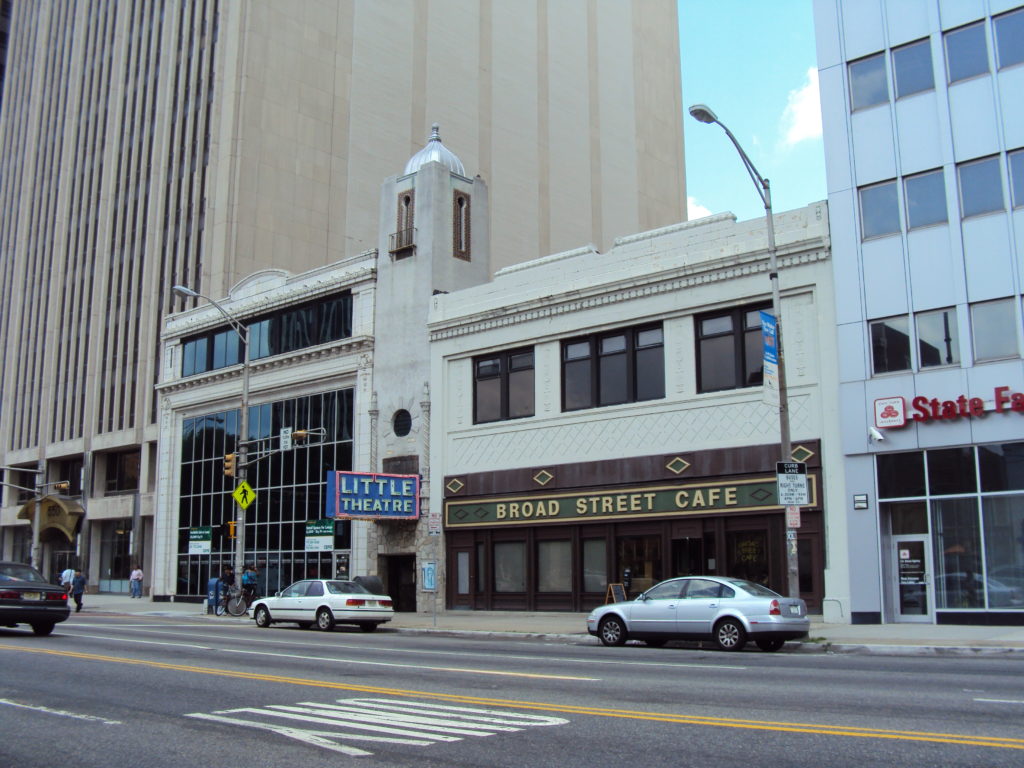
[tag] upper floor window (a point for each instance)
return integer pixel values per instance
(992, 325)
(622, 366)
(287, 330)
(1009, 30)
(912, 68)
(868, 82)
(1016, 162)
(981, 187)
(925, 194)
(123, 472)
(503, 386)
(937, 340)
(730, 351)
(460, 226)
(966, 52)
(879, 210)
(890, 345)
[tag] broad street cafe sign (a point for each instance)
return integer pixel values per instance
(756, 494)
(372, 496)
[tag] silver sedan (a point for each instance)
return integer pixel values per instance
(728, 611)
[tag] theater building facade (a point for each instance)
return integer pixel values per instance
(600, 419)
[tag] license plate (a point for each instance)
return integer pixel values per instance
(794, 609)
(31, 595)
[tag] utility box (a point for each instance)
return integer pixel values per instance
(212, 594)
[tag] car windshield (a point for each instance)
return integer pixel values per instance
(346, 588)
(753, 588)
(17, 572)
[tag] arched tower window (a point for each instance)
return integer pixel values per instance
(404, 238)
(460, 226)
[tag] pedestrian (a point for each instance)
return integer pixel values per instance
(249, 581)
(65, 578)
(135, 580)
(78, 583)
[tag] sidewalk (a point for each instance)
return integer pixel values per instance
(902, 639)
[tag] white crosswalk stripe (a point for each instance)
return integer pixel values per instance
(390, 721)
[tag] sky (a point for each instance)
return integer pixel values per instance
(753, 63)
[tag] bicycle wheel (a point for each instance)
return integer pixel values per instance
(237, 605)
(219, 607)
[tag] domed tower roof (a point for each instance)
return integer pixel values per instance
(435, 152)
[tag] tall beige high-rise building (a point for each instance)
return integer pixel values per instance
(148, 144)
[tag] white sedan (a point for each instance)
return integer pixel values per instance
(324, 602)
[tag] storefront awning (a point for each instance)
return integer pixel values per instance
(57, 512)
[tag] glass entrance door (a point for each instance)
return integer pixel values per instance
(912, 566)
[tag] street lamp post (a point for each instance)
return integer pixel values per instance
(704, 114)
(243, 427)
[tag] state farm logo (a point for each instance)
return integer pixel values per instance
(890, 412)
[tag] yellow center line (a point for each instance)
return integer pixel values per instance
(666, 717)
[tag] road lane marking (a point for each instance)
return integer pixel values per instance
(462, 654)
(384, 721)
(148, 642)
(1001, 742)
(60, 712)
(1001, 701)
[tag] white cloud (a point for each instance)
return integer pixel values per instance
(695, 210)
(802, 118)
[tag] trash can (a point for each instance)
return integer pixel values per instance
(212, 595)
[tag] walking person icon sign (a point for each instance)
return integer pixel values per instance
(244, 495)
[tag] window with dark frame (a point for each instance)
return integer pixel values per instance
(503, 386)
(890, 344)
(612, 368)
(122, 474)
(730, 352)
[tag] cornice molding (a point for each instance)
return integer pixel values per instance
(651, 284)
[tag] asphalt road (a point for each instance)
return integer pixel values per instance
(125, 691)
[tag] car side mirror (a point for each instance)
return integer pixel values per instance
(277, 594)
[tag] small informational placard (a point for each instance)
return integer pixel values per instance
(434, 524)
(200, 540)
(286, 438)
(372, 496)
(428, 578)
(319, 535)
(616, 594)
(792, 483)
(792, 517)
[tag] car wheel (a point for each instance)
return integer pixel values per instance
(325, 619)
(262, 617)
(730, 635)
(42, 629)
(770, 646)
(612, 631)
(656, 643)
(370, 626)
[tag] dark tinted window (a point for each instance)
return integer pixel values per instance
(316, 589)
(730, 351)
(951, 470)
(900, 474)
(611, 368)
(890, 345)
(1002, 467)
(503, 386)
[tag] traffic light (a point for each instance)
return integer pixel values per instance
(229, 465)
(231, 529)
(300, 434)
(62, 487)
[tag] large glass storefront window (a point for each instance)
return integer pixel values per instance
(554, 563)
(594, 567)
(976, 521)
(510, 566)
(641, 555)
(290, 490)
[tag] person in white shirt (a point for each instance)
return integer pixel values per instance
(136, 581)
(65, 578)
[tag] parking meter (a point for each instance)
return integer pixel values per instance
(627, 578)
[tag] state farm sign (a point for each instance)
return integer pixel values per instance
(891, 412)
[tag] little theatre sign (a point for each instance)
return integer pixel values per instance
(632, 503)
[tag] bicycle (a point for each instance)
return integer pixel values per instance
(236, 602)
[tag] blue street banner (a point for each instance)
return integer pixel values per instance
(372, 496)
(769, 338)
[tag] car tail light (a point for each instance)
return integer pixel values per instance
(9, 594)
(386, 603)
(56, 595)
(774, 609)
(355, 601)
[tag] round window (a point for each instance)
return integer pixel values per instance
(402, 423)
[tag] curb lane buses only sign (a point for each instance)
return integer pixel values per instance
(792, 483)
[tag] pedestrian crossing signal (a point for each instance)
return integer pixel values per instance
(229, 465)
(231, 529)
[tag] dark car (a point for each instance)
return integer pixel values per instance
(28, 598)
